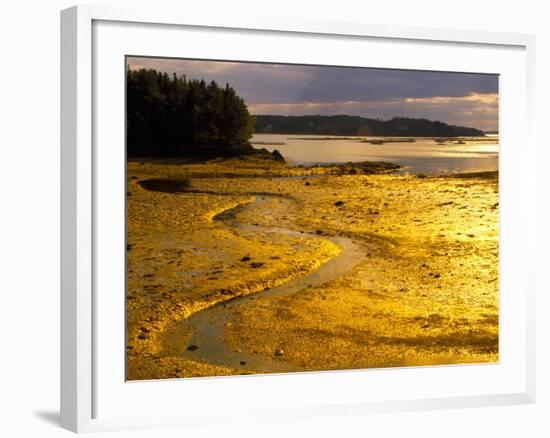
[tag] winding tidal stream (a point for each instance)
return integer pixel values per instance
(207, 326)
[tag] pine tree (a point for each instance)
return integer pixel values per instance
(174, 116)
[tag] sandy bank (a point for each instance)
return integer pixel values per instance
(426, 293)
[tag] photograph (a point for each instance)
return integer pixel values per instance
(290, 218)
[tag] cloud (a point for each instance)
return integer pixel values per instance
(481, 98)
(380, 93)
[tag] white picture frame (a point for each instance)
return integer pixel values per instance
(84, 384)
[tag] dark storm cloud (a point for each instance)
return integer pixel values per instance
(296, 89)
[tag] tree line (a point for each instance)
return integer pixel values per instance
(355, 125)
(173, 116)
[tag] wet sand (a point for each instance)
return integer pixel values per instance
(253, 268)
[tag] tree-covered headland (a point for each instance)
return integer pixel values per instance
(171, 116)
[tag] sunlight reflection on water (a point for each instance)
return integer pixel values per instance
(422, 156)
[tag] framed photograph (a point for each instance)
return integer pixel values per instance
(285, 218)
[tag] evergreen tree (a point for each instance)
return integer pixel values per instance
(173, 116)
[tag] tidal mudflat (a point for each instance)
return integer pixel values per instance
(239, 266)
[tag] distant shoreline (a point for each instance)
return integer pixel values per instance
(349, 125)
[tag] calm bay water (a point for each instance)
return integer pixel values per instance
(422, 156)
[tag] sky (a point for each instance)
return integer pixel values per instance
(466, 99)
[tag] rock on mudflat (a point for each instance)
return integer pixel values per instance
(192, 347)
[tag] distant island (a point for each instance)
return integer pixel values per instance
(361, 126)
